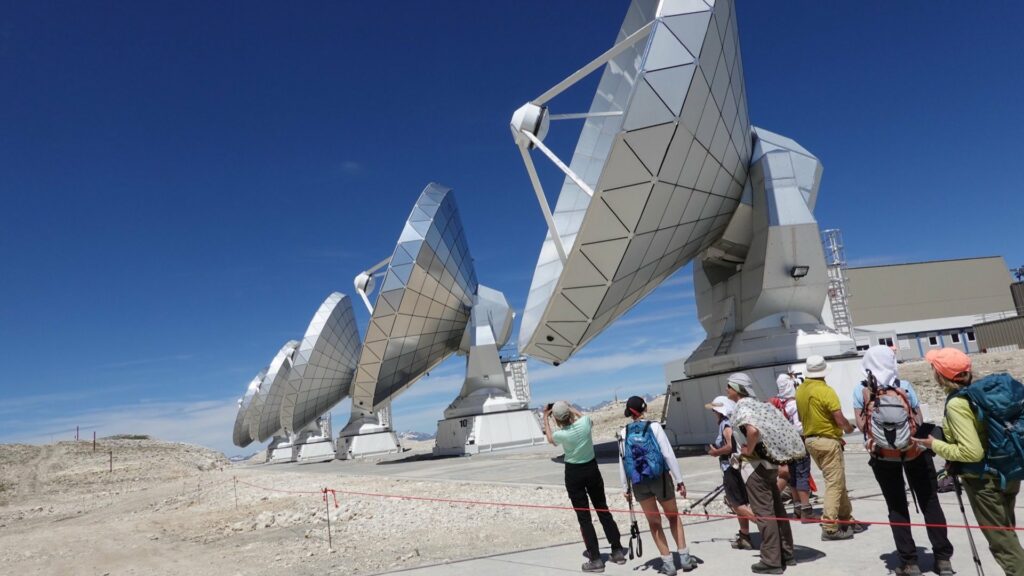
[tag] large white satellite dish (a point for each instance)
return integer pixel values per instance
(320, 376)
(428, 296)
(324, 364)
(240, 434)
(657, 173)
(266, 404)
(667, 170)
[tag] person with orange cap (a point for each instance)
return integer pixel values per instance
(963, 446)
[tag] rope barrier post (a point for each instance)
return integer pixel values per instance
(327, 508)
(111, 461)
(93, 440)
(236, 492)
(76, 433)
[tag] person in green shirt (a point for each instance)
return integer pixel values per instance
(583, 478)
(964, 444)
(824, 424)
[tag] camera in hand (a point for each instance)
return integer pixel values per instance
(549, 406)
(928, 429)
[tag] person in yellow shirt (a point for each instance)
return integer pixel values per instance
(964, 444)
(824, 424)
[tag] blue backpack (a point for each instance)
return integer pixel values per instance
(641, 454)
(998, 403)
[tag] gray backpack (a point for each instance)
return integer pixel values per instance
(890, 423)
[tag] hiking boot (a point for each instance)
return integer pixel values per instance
(688, 563)
(944, 568)
(908, 570)
(789, 560)
(667, 568)
(856, 527)
(594, 566)
(618, 555)
(806, 515)
(836, 535)
(762, 568)
(742, 542)
(786, 495)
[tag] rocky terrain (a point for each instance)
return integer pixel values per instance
(170, 509)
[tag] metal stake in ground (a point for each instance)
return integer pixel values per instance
(327, 508)
(93, 440)
(111, 461)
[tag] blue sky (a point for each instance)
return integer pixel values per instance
(184, 184)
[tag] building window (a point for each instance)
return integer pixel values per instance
(955, 337)
(970, 335)
(933, 340)
(885, 342)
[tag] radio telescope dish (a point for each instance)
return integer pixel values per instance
(657, 173)
(323, 364)
(423, 304)
(241, 435)
(265, 420)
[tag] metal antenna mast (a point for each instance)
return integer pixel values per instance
(838, 292)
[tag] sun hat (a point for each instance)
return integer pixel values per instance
(635, 406)
(722, 405)
(816, 367)
(949, 362)
(742, 384)
(560, 410)
(786, 385)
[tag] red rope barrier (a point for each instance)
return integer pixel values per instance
(335, 492)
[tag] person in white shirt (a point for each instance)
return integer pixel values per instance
(660, 490)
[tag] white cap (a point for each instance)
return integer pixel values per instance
(722, 405)
(560, 410)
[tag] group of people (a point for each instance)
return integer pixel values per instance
(765, 447)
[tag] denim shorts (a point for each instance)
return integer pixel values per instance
(800, 474)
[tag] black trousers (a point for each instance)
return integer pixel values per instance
(582, 480)
(920, 473)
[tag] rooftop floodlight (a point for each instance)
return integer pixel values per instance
(798, 272)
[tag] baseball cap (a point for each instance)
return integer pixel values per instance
(560, 410)
(635, 406)
(949, 362)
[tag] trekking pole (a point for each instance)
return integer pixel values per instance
(970, 536)
(634, 529)
(706, 499)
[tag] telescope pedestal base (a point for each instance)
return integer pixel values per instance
(487, 432)
(283, 452)
(316, 449)
(688, 422)
(369, 444)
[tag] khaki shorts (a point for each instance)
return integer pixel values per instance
(662, 489)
